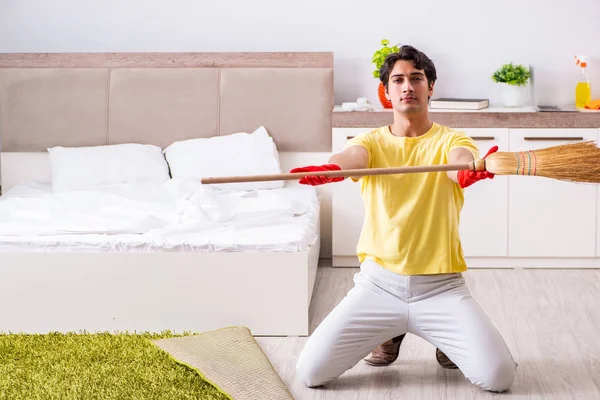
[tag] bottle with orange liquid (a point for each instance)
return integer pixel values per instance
(583, 90)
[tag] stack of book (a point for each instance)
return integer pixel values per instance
(458, 103)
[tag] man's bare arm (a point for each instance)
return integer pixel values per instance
(459, 155)
(354, 157)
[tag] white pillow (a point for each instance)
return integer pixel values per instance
(230, 155)
(87, 168)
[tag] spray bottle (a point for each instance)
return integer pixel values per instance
(583, 90)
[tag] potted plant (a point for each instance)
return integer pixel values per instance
(514, 79)
(378, 59)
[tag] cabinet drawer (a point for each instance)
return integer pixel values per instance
(547, 217)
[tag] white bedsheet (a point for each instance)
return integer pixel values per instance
(179, 215)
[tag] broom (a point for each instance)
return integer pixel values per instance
(575, 162)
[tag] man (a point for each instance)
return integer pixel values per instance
(410, 279)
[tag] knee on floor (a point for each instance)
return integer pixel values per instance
(498, 376)
(311, 374)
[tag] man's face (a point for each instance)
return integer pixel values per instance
(408, 89)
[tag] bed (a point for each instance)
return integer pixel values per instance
(145, 253)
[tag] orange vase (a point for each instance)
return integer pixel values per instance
(381, 92)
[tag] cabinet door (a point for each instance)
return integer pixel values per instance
(347, 217)
(484, 217)
(347, 208)
(598, 217)
(547, 217)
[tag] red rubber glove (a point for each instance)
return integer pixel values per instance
(467, 177)
(318, 180)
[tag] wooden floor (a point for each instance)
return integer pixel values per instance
(550, 320)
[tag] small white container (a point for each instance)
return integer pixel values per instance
(513, 95)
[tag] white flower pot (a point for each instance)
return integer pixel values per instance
(513, 95)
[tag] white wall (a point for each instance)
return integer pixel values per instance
(467, 39)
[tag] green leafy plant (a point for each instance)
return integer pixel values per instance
(381, 54)
(511, 74)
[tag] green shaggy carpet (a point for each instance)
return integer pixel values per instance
(95, 366)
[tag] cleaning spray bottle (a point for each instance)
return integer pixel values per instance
(583, 91)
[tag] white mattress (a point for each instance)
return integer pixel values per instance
(180, 215)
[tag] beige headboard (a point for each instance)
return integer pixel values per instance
(85, 99)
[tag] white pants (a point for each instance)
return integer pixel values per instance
(383, 305)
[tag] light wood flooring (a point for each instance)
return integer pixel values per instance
(550, 320)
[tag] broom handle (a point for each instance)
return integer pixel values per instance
(473, 165)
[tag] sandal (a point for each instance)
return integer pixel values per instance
(386, 353)
(443, 360)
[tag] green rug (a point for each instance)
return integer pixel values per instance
(95, 366)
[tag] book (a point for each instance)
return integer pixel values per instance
(459, 103)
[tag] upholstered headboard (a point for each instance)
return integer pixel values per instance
(86, 99)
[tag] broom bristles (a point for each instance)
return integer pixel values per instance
(574, 162)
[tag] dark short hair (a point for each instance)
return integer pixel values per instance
(418, 59)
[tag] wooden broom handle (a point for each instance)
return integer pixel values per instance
(477, 165)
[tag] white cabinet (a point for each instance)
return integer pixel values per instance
(483, 220)
(483, 227)
(547, 217)
(598, 216)
(507, 221)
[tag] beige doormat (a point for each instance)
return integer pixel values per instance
(231, 360)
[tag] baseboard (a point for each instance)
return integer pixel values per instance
(533, 262)
(345, 261)
(500, 262)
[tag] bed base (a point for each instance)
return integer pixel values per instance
(92, 99)
(268, 292)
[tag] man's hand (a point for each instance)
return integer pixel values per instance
(315, 180)
(467, 178)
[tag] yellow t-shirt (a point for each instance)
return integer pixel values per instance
(411, 220)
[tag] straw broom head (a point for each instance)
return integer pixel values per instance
(576, 162)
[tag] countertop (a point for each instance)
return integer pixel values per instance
(493, 117)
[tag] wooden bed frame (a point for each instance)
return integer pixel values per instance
(157, 98)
